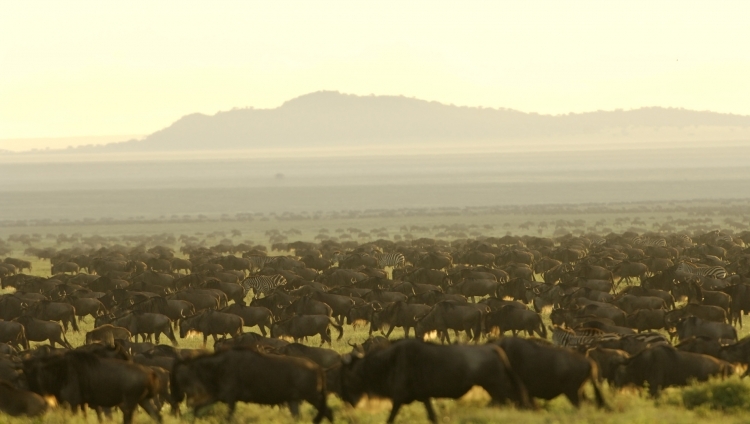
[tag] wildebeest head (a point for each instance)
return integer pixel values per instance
(353, 384)
(188, 324)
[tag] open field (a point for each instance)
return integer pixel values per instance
(626, 406)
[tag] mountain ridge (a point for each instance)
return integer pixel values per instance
(331, 119)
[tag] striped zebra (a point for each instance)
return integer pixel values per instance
(649, 241)
(706, 271)
(259, 262)
(724, 238)
(598, 241)
(340, 256)
(583, 337)
(395, 260)
(263, 284)
(683, 240)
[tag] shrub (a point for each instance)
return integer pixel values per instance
(725, 395)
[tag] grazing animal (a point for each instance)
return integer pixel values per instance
(411, 370)
(664, 366)
(81, 378)
(243, 375)
(15, 401)
(549, 371)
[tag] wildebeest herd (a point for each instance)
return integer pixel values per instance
(630, 309)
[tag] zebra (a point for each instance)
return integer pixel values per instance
(582, 337)
(259, 262)
(338, 257)
(262, 284)
(390, 259)
(649, 241)
(708, 271)
(598, 241)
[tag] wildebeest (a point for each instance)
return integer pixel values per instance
(54, 311)
(663, 366)
(252, 316)
(13, 333)
(411, 370)
(627, 270)
(449, 315)
(243, 375)
(340, 305)
(147, 324)
(647, 319)
(301, 326)
(11, 307)
(201, 299)
(514, 319)
(86, 306)
(250, 340)
(212, 323)
(630, 303)
(694, 326)
(38, 330)
(548, 371)
(107, 334)
(399, 314)
(275, 302)
(307, 306)
(363, 313)
(15, 401)
(326, 358)
(471, 287)
(81, 378)
(607, 360)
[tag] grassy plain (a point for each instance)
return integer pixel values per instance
(629, 406)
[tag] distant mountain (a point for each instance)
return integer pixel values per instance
(331, 119)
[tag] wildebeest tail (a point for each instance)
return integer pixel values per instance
(170, 334)
(522, 395)
(600, 402)
(479, 329)
(73, 321)
(67, 343)
(337, 327)
(321, 403)
(22, 340)
(544, 329)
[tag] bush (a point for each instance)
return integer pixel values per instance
(725, 395)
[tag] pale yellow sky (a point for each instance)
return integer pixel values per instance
(75, 69)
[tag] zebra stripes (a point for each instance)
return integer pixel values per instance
(263, 284)
(582, 337)
(648, 241)
(390, 259)
(598, 241)
(259, 262)
(708, 271)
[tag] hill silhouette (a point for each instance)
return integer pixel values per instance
(332, 119)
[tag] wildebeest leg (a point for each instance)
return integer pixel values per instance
(127, 413)
(430, 412)
(394, 411)
(390, 330)
(151, 408)
(293, 408)
(406, 332)
(232, 406)
(574, 397)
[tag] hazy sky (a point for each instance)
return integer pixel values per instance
(74, 69)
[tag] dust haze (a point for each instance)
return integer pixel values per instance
(332, 152)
